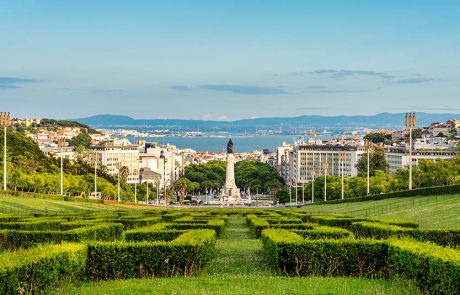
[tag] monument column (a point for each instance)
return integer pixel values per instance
(230, 192)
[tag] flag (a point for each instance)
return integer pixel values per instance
(313, 134)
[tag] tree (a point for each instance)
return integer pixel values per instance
(83, 139)
(377, 161)
(378, 137)
(275, 187)
(181, 186)
(283, 196)
(124, 173)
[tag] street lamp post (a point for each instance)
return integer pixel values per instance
(303, 193)
(61, 144)
(5, 123)
(290, 194)
(313, 178)
(367, 143)
(95, 174)
(342, 162)
(147, 195)
(118, 178)
(312, 186)
(157, 184)
(296, 193)
(325, 180)
(162, 156)
(410, 123)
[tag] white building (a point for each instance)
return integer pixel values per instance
(165, 160)
(307, 161)
(398, 157)
(115, 156)
(282, 159)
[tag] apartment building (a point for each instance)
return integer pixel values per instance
(114, 156)
(398, 157)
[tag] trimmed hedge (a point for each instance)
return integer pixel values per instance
(257, 225)
(135, 222)
(343, 222)
(296, 256)
(425, 191)
(185, 255)
(215, 224)
(435, 269)
(44, 224)
(324, 232)
(34, 270)
(14, 239)
(172, 216)
(157, 232)
(442, 237)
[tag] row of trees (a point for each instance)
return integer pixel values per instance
(249, 174)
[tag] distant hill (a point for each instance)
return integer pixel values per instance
(288, 124)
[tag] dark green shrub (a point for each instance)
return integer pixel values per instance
(34, 270)
(375, 230)
(435, 269)
(295, 256)
(185, 255)
(14, 239)
(39, 224)
(156, 232)
(135, 222)
(324, 232)
(215, 224)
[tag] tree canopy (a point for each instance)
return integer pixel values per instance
(377, 161)
(249, 174)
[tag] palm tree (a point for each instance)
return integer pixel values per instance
(181, 186)
(104, 169)
(124, 173)
(275, 187)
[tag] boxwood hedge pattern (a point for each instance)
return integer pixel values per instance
(341, 245)
(117, 244)
(184, 255)
(163, 242)
(28, 271)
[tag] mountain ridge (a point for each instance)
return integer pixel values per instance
(380, 120)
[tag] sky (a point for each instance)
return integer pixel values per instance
(227, 60)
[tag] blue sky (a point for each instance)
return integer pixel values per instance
(228, 59)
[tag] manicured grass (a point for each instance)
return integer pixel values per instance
(430, 212)
(29, 205)
(242, 285)
(240, 268)
(238, 253)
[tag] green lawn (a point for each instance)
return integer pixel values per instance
(240, 268)
(429, 212)
(29, 205)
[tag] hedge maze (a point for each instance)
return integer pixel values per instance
(338, 245)
(38, 252)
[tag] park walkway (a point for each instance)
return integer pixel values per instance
(238, 252)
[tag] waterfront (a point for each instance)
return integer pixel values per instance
(217, 144)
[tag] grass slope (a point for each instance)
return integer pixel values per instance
(30, 205)
(429, 211)
(240, 268)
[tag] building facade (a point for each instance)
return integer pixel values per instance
(300, 163)
(398, 157)
(113, 157)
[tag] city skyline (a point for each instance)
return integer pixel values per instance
(228, 61)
